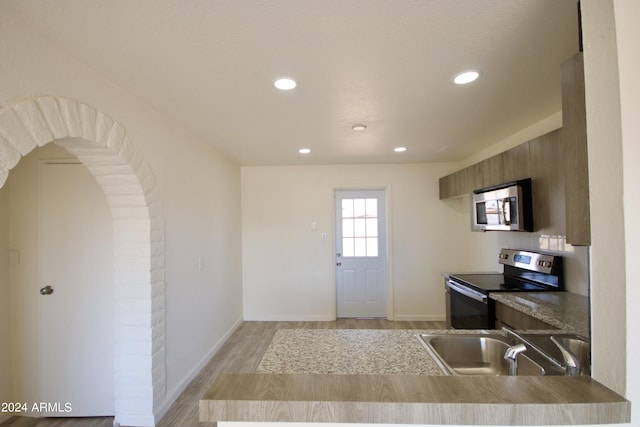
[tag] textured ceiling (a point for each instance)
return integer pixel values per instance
(210, 65)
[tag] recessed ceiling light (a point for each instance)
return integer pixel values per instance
(359, 127)
(400, 149)
(466, 77)
(304, 150)
(285, 83)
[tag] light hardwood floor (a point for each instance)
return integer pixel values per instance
(240, 354)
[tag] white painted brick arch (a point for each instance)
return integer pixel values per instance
(130, 187)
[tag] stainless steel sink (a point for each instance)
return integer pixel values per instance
(480, 354)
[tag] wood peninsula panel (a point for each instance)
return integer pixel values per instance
(412, 400)
(574, 135)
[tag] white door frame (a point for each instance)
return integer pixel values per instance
(388, 246)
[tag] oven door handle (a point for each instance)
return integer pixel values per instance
(467, 292)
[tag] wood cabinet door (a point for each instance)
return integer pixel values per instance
(574, 135)
(515, 163)
(491, 171)
(547, 183)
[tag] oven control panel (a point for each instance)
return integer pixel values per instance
(534, 261)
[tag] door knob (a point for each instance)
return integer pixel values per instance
(338, 263)
(47, 290)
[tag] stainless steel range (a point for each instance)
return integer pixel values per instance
(468, 302)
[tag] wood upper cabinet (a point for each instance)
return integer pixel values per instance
(515, 163)
(574, 136)
(449, 186)
(471, 178)
(462, 182)
(511, 165)
(556, 162)
(491, 171)
(547, 183)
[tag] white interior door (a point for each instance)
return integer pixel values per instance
(75, 253)
(361, 261)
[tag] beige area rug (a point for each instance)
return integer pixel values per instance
(347, 351)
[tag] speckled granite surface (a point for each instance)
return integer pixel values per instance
(348, 351)
(564, 310)
(398, 351)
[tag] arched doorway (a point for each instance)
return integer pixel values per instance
(103, 146)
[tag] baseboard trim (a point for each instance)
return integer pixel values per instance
(419, 318)
(290, 318)
(322, 318)
(173, 396)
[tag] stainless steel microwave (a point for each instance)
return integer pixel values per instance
(506, 207)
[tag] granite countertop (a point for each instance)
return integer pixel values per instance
(564, 310)
(398, 351)
(348, 351)
(351, 352)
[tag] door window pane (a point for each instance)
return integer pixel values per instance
(372, 246)
(359, 210)
(347, 227)
(372, 207)
(360, 227)
(372, 227)
(347, 208)
(360, 246)
(347, 247)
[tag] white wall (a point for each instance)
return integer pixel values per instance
(202, 306)
(612, 59)
(289, 272)
(608, 282)
(204, 291)
(5, 335)
(627, 34)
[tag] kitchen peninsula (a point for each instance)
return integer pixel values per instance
(341, 385)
